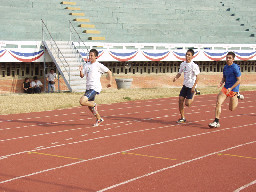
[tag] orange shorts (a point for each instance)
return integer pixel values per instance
(230, 94)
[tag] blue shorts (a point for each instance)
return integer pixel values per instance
(90, 94)
(186, 92)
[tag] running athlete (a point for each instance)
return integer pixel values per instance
(232, 79)
(92, 71)
(187, 93)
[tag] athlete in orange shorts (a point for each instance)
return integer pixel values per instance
(228, 94)
(231, 81)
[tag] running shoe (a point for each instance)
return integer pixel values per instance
(239, 96)
(197, 92)
(182, 120)
(214, 124)
(94, 109)
(98, 122)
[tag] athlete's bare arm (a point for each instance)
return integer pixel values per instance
(237, 83)
(194, 86)
(81, 71)
(176, 77)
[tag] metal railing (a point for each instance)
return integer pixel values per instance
(75, 37)
(54, 49)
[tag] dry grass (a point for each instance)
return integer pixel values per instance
(23, 103)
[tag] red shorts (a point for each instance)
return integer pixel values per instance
(230, 94)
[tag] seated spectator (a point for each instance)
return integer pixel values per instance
(36, 85)
(26, 86)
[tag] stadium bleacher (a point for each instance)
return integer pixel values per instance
(152, 35)
(244, 13)
(124, 21)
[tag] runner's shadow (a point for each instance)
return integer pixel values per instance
(61, 187)
(196, 125)
(145, 120)
(43, 124)
(8, 190)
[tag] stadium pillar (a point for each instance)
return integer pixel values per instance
(44, 70)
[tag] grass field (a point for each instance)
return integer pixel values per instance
(25, 103)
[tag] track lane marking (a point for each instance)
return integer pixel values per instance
(169, 99)
(146, 119)
(51, 155)
(130, 132)
(237, 156)
(119, 152)
(125, 153)
(245, 186)
(173, 166)
(54, 123)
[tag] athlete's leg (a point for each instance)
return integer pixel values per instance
(88, 100)
(84, 102)
(188, 102)
(233, 103)
(181, 107)
(220, 99)
(95, 112)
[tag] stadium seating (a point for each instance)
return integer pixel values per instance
(161, 21)
(244, 13)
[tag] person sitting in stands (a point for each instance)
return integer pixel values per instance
(26, 86)
(36, 85)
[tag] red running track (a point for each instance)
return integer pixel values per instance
(139, 147)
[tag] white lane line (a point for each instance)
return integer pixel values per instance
(173, 166)
(245, 186)
(119, 152)
(169, 99)
(148, 119)
(105, 116)
(130, 132)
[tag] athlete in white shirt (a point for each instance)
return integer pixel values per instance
(92, 71)
(191, 72)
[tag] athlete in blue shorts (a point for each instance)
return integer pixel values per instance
(191, 72)
(231, 80)
(92, 71)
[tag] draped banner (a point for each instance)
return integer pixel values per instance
(18, 56)
(245, 56)
(215, 56)
(121, 56)
(155, 56)
(105, 55)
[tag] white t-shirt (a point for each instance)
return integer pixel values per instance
(191, 70)
(36, 84)
(93, 72)
(51, 77)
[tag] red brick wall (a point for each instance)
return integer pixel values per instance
(165, 80)
(14, 85)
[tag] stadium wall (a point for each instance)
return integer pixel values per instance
(20, 59)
